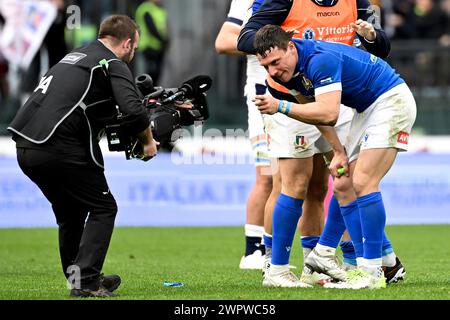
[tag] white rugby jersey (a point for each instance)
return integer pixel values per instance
(240, 12)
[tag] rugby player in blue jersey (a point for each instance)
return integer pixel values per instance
(385, 111)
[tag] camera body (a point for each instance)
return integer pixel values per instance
(164, 115)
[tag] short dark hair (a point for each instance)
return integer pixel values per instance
(118, 27)
(269, 37)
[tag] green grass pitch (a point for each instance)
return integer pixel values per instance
(206, 260)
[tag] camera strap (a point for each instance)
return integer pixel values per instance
(105, 68)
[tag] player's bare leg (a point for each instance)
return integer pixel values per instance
(254, 226)
(295, 176)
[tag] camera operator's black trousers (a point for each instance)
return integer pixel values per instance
(84, 207)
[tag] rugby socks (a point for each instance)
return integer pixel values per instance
(334, 226)
(373, 220)
(286, 214)
(351, 216)
(308, 243)
(387, 254)
(267, 239)
(348, 252)
(253, 239)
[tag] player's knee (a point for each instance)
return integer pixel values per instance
(362, 183)
(264, 182)
(342, 187)
(295, 187)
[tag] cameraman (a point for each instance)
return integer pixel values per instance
(57, 133)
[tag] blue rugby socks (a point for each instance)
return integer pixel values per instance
(351, 216)
(308, 243)
(286, 214)
(334, 226)
(348, 253)
(267, 239)
(373, 220)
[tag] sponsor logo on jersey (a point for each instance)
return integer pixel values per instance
(356, 42)
(328, 14)
(327, 31)
(373, 58)
(403, 137)
(268, 139)
(327, 80)
(308, 33)
(366, 137)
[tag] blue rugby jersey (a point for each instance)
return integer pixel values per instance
(361, 76)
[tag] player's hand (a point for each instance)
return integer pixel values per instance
(184, 105)
(339, 164)
(293, 30)
(364, 29)
(150, 150)
(266, 104)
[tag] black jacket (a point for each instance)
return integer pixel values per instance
(75, 101)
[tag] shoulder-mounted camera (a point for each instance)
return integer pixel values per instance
(164, 115)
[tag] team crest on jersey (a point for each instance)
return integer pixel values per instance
(300, 142)
(307, 84)
(309, 34)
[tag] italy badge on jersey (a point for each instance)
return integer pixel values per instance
(300, 142)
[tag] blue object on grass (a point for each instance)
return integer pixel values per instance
(173, 284)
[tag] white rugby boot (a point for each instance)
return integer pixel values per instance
(282, 276)
(327, 264)
(254, 261)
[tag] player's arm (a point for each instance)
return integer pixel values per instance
(369, 30)
(324, 71)
(226, 41)
(270, 12)
(324, 111)
(340, 159)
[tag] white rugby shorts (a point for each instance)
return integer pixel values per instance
(387, 123)
(290, 138)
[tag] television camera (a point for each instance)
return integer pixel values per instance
(164, 115)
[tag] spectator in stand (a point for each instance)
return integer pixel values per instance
(444, 40)
(428, 19)
(151, 17)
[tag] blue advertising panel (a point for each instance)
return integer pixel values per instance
(164, 193)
